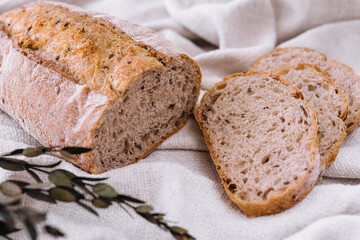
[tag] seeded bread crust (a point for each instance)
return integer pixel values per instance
(341, 74)
(59, 109)
(293, 194)
(328, 157)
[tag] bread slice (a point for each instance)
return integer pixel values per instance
(341, 74)
(279, 57)
(263, 139)
(344, 77)
(71, 78)
(328, 101)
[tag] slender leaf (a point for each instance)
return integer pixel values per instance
(62, 194)
(33, 174)
(52, 165)
(36, 194)
(38, 186)
(12, 164)
(60, 179)
(10, 189)
(15, 152)
(178, 230)
(53, 231)
(100, 203)
(34, 152)
(144, 209)
(105, 190)
(90, 179)
(31, 229)
(75, 150)
(82, 186)
(88, 208)
(128, 198)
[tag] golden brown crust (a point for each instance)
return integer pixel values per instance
(56, 110)
(285, 200)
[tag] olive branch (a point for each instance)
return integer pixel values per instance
(64, 186)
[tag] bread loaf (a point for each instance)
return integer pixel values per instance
(263, 139)
(71, 78)
(342, 75)
(328, 101)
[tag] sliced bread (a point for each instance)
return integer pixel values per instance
(263, 139)
(344, 77)
(341, 74)
(286, 57)
(328, 101)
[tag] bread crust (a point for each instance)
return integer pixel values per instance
(304, 184)
(57, 111)
(330, 156)
(356, 122)
(276, 50)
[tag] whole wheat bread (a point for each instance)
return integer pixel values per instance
(328, 101)
(263, 139)
(341, 74)
(71, 78)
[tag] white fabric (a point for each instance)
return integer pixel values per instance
(179, 178)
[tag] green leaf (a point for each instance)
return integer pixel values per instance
(52, 165)
(88, 208)
(54, 231)
(75, 150)
(100, 203)
(105, 190)
(36, 194)
(10, 189)
(62, 194)
(144, 209)
(38, 186)
(122, 198)
(15, 152)
(60, 178)
(34, 152)
(90, 179)
(12, 164)
(33, 174)
(31, 229)
(179, 230)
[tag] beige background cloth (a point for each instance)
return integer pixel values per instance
(179, 178)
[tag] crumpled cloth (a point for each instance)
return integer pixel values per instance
(179, 178)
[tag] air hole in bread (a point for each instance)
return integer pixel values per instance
(244, 171)
(250, 91)
(265, 159)
(266, 193)
(215, 97)
(245, 180)
(171, 106)
(312, 88)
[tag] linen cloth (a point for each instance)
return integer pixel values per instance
(179, 178)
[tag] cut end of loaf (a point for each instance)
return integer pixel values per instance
(155, 106)
(263, 140)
